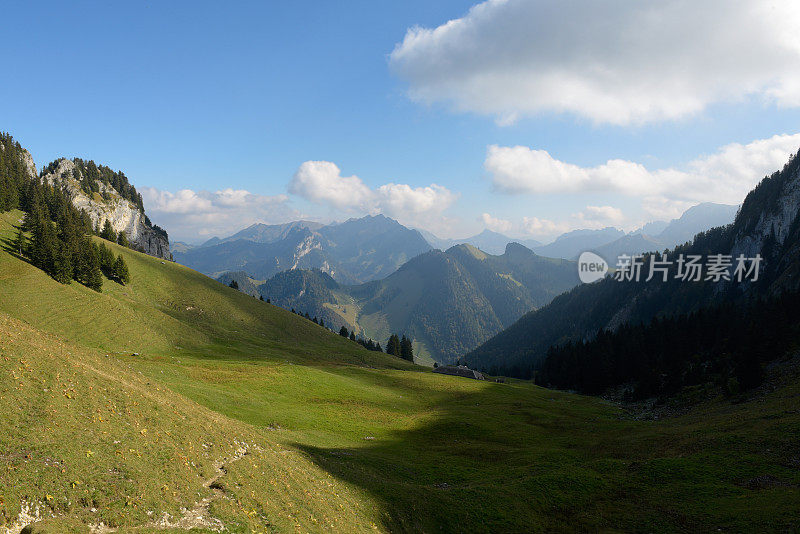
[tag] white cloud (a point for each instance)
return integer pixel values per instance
(495, 224)
(543, 227)
(614, 62)
(321, 182)
(192, 215)
(726, 176)
(601, 216)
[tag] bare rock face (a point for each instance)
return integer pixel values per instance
(778, 219)
(27, 160)
(108, 205)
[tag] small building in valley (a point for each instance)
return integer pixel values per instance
(459, 370)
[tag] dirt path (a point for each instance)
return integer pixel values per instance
(199, 516)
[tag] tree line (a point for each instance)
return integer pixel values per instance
(88, 174)
(54, 235)
(726, 346)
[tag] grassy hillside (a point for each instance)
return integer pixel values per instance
(244, 414)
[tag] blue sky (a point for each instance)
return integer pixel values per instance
(193, 99)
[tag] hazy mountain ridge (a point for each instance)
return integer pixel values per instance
(447, 302)
(767, 223)
(487, 241)
(352, 252)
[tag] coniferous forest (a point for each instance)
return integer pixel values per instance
(54, 235)
(725, 346)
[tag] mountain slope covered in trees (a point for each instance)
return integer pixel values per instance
(767, 224)
(446, 302)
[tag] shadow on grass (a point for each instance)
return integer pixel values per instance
(8, 245)
(483, 463)
(513, 458)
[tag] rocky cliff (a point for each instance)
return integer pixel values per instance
(104, 203)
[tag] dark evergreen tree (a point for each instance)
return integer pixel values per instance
(121, 273)
(406, 349)
(233, 284)
(106, 259)
(393, 345)
(122, 239)
(62, 265)
(108, 232)
(343, 332)
(20, 244)
(352, 336)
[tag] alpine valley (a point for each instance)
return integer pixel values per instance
(146, 396)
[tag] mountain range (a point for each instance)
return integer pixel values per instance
(446, 302)
(352, 252)
(767, 224)
(488, 241)
(610, 242)
(373, 247)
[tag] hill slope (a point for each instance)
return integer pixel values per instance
(446, 302)
(176, 392)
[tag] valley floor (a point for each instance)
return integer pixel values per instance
(176, 402)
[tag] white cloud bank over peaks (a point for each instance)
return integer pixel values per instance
(495, 224)
(197, 215)
(616, 61)
(725, 176)
(322, 182)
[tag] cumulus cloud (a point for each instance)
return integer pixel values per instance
(725, 176)
(496, 224)
(612, 62)
(321, 182)
(543, 227)
(601, 216)
(192, 215)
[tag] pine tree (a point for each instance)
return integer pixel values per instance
(121, 272)
(343, 332)
(106, 259)
(352, 336)
(94, 277)
(62, 265)
(108, 232)
(393, 345)
(233, 284)
(122, 240)
(20, 242)
(261, 298)
(406, 349)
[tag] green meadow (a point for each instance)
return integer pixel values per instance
(177, 403)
